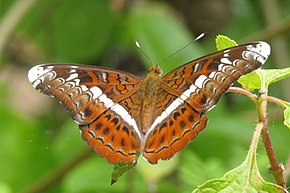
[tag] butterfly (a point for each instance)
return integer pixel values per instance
(121, 115)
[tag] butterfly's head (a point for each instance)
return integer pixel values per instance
(156, 70)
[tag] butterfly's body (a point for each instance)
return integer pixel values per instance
(121, 115)
(148, 96)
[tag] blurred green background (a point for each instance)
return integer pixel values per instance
(40, 145)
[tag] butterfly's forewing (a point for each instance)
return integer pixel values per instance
(204, 80)
(195, 88)
(91, 95)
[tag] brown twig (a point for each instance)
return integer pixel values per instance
(254, 97)
(261, 102)
(276, 101)
(276, 168)
(239, 90)
(57, 174)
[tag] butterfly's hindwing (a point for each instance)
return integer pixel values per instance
(112, 137)
(173, 129)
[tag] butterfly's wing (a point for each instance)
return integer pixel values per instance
(204, 80)
(194, 89)
(174, 127)
(91, 95)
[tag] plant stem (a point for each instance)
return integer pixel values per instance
(239, 90)
(254, 97)
(276, 101)
(276, 168)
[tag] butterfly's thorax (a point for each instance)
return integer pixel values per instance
(149, 94)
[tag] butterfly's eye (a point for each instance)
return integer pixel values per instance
(156, 70)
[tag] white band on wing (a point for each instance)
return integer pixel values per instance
(118, 109)
(174, 105)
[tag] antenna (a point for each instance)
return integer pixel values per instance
(200, 36)
(138, 45)
(174, 53)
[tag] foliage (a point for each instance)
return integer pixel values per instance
(246, 177)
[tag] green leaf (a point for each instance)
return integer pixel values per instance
(244, 178)
(223, 42)
(274, 75)
(241, 179)
(287, 116)
(120, 169)
(250, 81)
